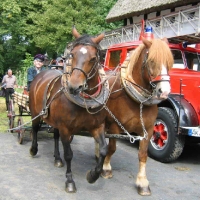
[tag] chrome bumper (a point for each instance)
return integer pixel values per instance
(190, 131)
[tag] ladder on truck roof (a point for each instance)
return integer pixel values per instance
(181, 26)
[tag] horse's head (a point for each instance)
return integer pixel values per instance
(159, 61)
(84, 60)
(149, 66)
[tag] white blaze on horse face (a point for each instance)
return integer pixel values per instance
(83, 50)
(163, 87)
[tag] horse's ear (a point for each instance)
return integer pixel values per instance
(75, 33)
(165, 40)
(98, 38)
(146, 42)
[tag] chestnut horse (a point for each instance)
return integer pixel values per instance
(133, 106)
(48, 100)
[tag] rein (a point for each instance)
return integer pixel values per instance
(87, 76)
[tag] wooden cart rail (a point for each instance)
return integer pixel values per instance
(22, 100)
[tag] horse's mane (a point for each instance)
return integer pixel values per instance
(134, 58)
(84, 39)
(159, 53)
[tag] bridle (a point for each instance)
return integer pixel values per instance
(94, 68)
(82, 99)
(153, 81)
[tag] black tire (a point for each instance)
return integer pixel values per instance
(166, 145)
(20, 131)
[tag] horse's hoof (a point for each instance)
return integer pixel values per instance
(107, 174)
(33, 151)
(91, 178)
(58, 163)
(70, 187)
(144, 191)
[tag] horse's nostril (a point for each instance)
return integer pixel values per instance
(159, 90)
(80, 87)
(71, 91)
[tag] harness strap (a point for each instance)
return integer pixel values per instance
(83, 94)
(47, 95)
(164, 77)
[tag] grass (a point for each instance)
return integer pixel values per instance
(3, 116)
(4, 119)
(43, 134)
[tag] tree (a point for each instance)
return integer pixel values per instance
(13, 40)
(45, 26)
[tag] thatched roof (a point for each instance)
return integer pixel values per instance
(129, 8)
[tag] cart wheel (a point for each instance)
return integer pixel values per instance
(11, 115)
(20, 130)
(10, 122)
(20, 110)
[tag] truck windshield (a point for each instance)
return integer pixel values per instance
(178, 59)
(193, 61)
(114, 59)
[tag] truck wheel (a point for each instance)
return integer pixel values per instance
(166, 145)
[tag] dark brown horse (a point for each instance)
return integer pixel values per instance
(133, 106)
(48, 100)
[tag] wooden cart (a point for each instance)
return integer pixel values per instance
(22, 100)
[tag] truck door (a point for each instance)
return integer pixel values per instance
(191, 82)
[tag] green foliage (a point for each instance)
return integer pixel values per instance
(45, 26)
(3, 116)
(21, 74)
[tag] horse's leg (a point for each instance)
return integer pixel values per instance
(107, 169)
(35, 129)
(58, 161)
(99, 136)
(70, 186)
(142, 183)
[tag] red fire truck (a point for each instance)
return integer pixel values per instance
(178, 120)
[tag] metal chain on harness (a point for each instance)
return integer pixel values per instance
(104, 104)
(131, 138)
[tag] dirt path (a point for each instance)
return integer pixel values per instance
(25, 178)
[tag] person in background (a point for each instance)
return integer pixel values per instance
(38, 66)
(10, 83)
(60, 63)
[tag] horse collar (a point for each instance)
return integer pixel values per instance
(83, 94)
(89, 101)
(142, 96)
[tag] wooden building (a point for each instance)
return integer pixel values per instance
(178, 20)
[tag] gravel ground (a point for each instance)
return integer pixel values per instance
(25, 178)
